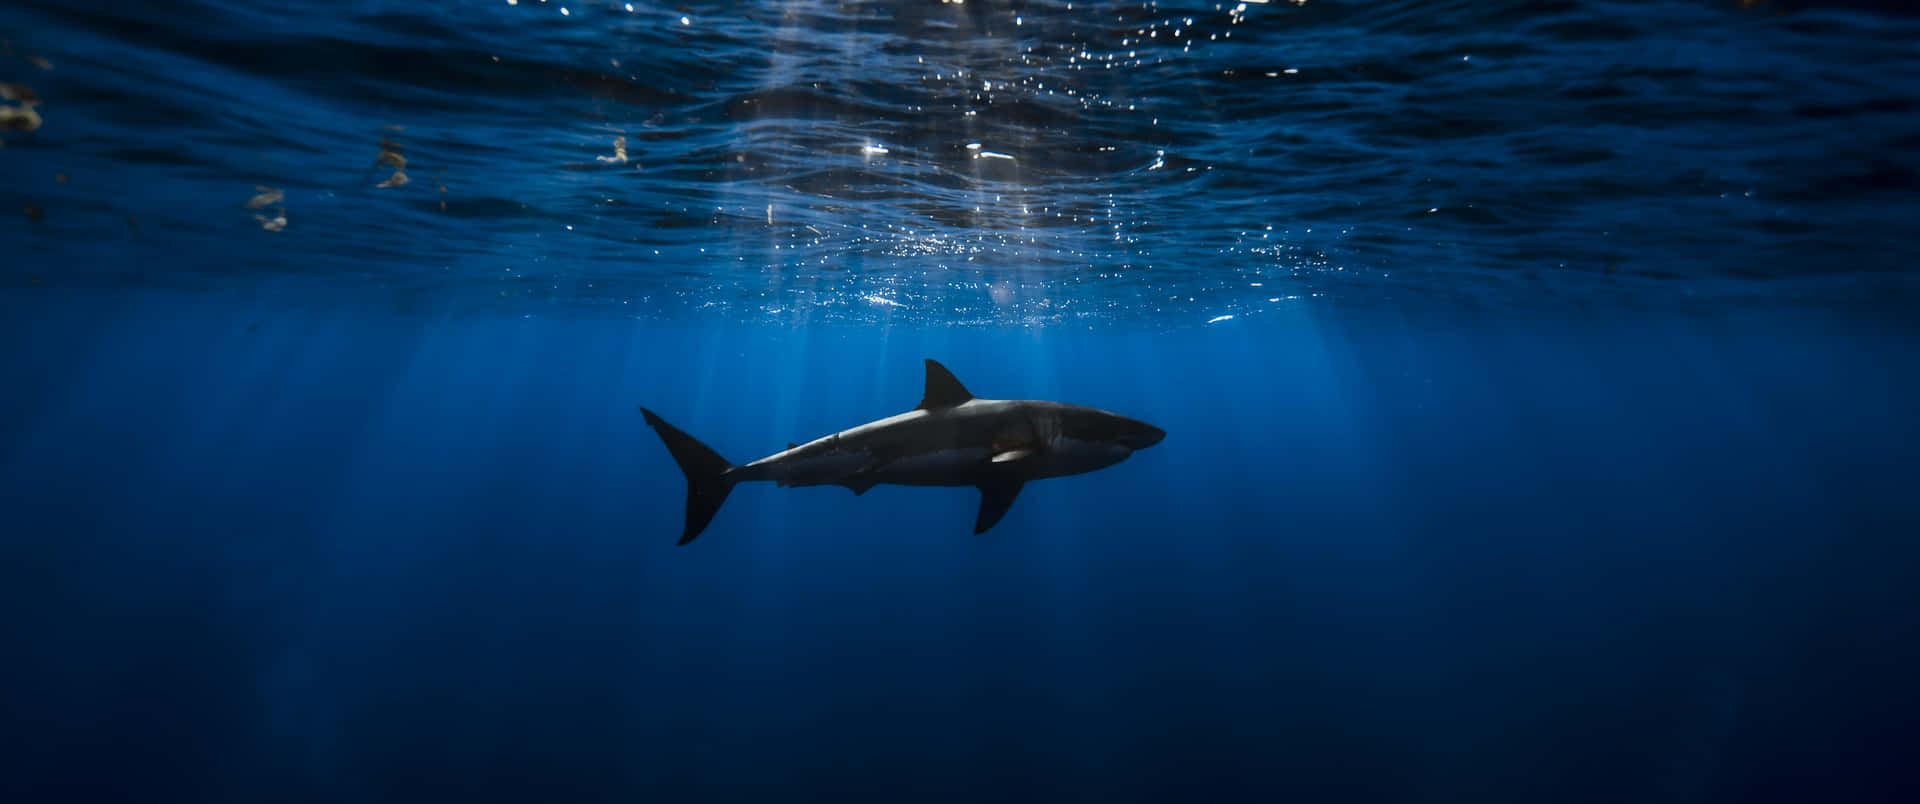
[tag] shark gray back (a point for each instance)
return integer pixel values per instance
(950, 439)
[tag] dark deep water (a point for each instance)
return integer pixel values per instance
(1539, 381)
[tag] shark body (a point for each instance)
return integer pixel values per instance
(950, 439)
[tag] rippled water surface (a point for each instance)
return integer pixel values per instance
(970, 161)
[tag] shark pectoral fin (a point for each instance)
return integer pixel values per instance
(995, 499)
(1011, 455)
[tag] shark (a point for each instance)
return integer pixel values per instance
(951, 438)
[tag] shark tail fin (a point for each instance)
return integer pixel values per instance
(707, 474)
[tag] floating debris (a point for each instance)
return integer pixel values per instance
(6, 49)
(18, 118)
(390, 156)
(60, 178)
(619, 156)
(18, 93)
(21, 117)
(33, 212)
(266, 196)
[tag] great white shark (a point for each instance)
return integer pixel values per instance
(950, 439)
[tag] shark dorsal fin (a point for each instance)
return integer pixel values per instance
(943, 391)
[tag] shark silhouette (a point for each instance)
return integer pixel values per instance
(950, 439)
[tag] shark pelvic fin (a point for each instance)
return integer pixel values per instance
(943, 391)
(995, 499)
(859, 485)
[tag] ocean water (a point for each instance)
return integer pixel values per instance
(1539, 381)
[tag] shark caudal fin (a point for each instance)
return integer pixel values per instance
(707, 480)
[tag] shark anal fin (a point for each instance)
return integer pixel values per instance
(943, 391)
(995, 499)
(792, 446)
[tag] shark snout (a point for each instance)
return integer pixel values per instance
(1143, 436)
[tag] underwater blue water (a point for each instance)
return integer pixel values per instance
(1538, 380)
